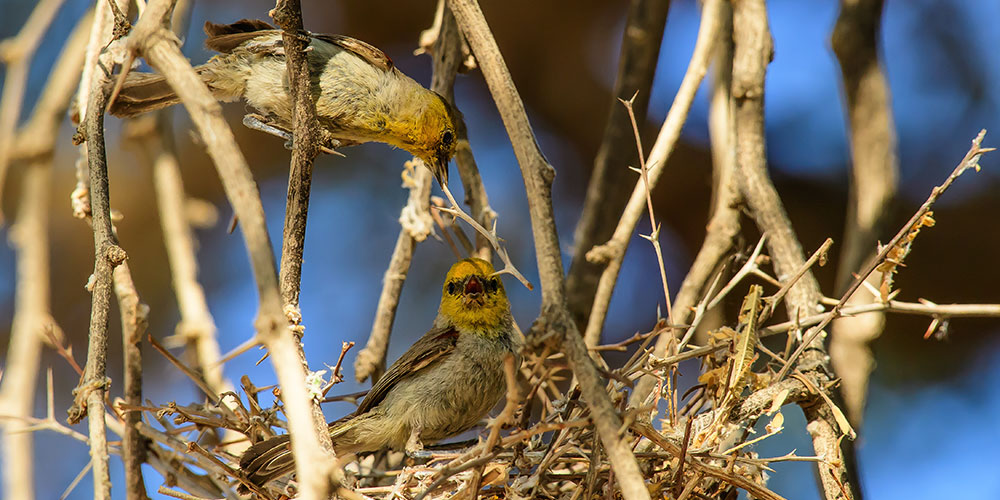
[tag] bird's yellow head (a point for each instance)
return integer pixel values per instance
(431, 132)
(472, 298)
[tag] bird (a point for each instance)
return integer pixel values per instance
(441, 386)
(359, 93)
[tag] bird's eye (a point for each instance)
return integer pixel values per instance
(447, 138)
(494, 284)
(451, 288)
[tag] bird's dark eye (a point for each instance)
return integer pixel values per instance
(493, 285)
(447, 138)
(451, 288)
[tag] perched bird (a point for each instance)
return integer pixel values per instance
(441, 386)
(360, 95)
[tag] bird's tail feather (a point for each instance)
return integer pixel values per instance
(268, 460)
(142, 93)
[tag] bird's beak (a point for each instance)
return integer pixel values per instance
(473, 287)
(439, 167)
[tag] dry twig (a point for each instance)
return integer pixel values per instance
(159, 47)
(538, 175)
(608, 189)
(613, 252)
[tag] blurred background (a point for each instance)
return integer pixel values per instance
(930, 422)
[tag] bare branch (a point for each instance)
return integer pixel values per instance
(315, 477)
(160, 49)
(29, 236)
(538, 175)
(874, 174)
(445, 42)
(724, 223)
(90, 394)
(134, 315)
(753, 51)
(16, 53)
(971, 160)
(613, 252)
(608, 189)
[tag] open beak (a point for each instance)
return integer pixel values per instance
(473, 287)
(474, 291)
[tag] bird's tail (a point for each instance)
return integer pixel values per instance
(142, 93)
(145, 92)
(268, 460)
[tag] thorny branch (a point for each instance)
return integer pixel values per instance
(724, 223)
(971, 160)
(538, 176)
(316, 468)
(613, 252)
(874, 174)
(608, 189)
(159, 47)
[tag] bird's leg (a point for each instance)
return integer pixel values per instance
(262, 124)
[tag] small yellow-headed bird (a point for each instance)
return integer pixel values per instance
(441, 386)
(360, 95)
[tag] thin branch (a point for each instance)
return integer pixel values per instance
(315, 462)
(450, 53)
(134, 316)
(971, 160)
(287, 15)
(613, 252)
(160, 49)
(16, 53)
(29, 236)
(724, 223)
(654, 228)
(90, 394)
(818, 256)
(196, 327)
(608, 189)
(490, 235)
(538, 176)
(100, 36)
(874, 175)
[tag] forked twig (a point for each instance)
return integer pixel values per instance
(971, 160)
(490, 235)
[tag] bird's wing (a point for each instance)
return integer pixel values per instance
(434, 346)
(366, 51)
(226, 37)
